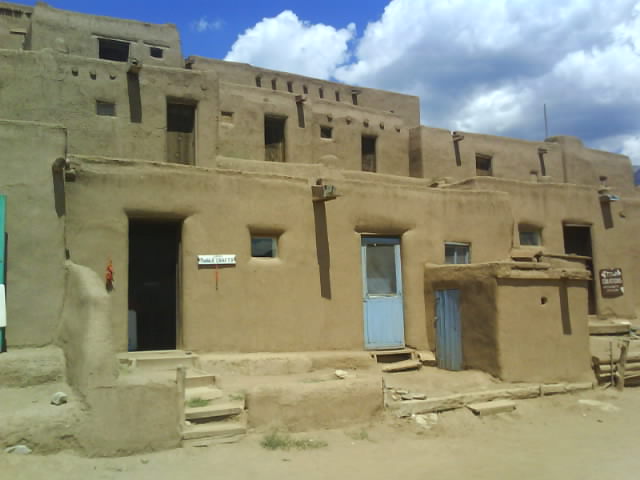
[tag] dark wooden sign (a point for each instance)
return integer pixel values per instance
(611, 284)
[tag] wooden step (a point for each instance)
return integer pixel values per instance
(204, 393)
(389, 356)
(159, 359)
(609, 327)
(198, 378)
(214, 411)
(213, 430)
(402, 366)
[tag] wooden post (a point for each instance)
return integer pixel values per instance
(622, 363)
(611, 371)
(181, 375)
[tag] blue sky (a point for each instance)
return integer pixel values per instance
(486, 66)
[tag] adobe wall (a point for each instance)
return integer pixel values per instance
(73, 84)
(242, 136)
(15, 21)
(543, 333)
(404, 106)
(613, 229)
(478, 311)
(35, 225)
(275, 199)
(77, 34)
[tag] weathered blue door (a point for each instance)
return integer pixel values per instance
(382, 293)
(448, 331)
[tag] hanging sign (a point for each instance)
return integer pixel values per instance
(216, 259)
(611, 283)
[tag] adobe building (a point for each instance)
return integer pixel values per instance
(155, 203)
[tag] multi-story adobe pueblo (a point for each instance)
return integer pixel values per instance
(155, 203)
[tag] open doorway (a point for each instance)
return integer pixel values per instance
(153, 284)
(577, 241)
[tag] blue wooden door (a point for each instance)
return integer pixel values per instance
(448, 331)
(382, 293)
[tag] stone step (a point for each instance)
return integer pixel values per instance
(427, 358)
(214, 430)
(214, 411)
(402, 366)
(491, 408)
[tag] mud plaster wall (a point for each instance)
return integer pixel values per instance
(543, 342)
(73, 84)
(613, 231)
(77, 34)
(242, 136)
(35, 224)
(298, 317)
(478, 316)
(406, 107)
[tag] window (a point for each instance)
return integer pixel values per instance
(337, 96)
(156, 52)
(326, 132)
(258, 81)
(483, 165)
(274, 138)
(264, 246)
(290, 86)
(354, 98)
(107, 109)
(115, 50)
(305, 89)
(321, 92)
(529, 236)
(456, 253)
(274, 84)
(368, 154)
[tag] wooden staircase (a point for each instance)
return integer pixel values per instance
(209, 414)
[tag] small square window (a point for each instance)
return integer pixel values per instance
(156, 52)
(326, 132)
(456, 253)
(264, 246)
(530, 236)
(107, 109)
(484, 166)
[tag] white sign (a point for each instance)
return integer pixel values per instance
(3, 308)
(216, 259)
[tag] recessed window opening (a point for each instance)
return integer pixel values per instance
(181, 138)
(115, 50)
(181, 117)
(274, 84)
(274, 128)
(457, 253)
(543, 300)
(305, 89)
(290, 86)
(107, 109)
(354, 98)
(156, 52)
(321, 92)
(369, 161)
(484, 167)
(603, 180)
(529, 235)
(264, 246)
(226, 115)
(337, 96)
(326, 132)
(258, 81)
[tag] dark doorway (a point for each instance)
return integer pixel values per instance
(153, 283)
(274, 128)
(181, 139)
(368, 154)
(577, 241)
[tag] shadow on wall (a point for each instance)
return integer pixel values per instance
(57, 175)
(607, 217)
(565, 312)
(322, 248)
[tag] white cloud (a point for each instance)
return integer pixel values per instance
(482, 65)
(203, 24)
(287, 43)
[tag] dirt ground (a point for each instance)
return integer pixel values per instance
(547, 438)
